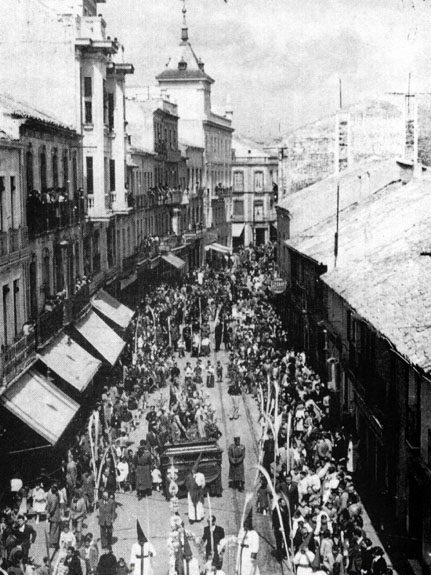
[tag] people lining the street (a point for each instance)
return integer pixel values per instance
(309, 457)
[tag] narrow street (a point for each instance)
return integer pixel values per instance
(154, 513)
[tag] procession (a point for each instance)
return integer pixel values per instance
(155, 432)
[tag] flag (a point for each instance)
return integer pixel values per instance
(141, 534)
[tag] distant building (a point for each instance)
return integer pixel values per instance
(187, 83)
(375, 132)
(254, 194)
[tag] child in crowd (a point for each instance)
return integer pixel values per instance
(156, 478)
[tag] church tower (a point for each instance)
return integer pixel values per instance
(185, 81)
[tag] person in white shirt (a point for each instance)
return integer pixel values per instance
(140, 556)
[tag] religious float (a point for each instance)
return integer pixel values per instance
(184, 455)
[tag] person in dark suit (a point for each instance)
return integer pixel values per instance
(290, 489)
(378, 564)
(217, 534)
(25, 535)
(106, 519)
(107, 563)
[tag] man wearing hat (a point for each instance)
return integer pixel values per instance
(141, 553)
(248, 541)
(236, 454)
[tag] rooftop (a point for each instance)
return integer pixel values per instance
(19, 109)
(184, 65)
(380, 271)
(313, 204)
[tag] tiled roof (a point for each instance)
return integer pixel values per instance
(380, 271)
(310, 205)
(20, 109)
(393, 295)
(184, 52)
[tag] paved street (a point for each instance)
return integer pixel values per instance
(153, 512)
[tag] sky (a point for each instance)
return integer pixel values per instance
(280, 61)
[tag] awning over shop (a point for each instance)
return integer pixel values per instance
(174, 261)
(101, 336)
(112, 308)
(71, 362)
(237, 230)
(218, 248)
(274, 224)
(41, 405)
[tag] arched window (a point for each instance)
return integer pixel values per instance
(29, 170)
(42, 167)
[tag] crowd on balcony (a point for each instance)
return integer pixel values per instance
(53, 208)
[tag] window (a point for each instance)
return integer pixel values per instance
(43, 171)
(88, 87)
(112, 175)
(6, 291)
(15, 306)
(238, 181)
(258, 210)
(13, 210)
(46, 275)
(238, 208)
(2, 204)
(258, 181)
(88, 100)
(111, 108)
(413, 409)
(88, 113)
(90, 177)
(96, 252)
(74, 172)
(55, 169)
(65, 171)
(29, 171)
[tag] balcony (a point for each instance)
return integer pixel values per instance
(129, 264)
(52, 216)
(161, 148)
(77, 304)
(17, 357)
(173, 198)
(49, 324)
(170, 243)
(11, 243)
(148, 249)
(238, 218)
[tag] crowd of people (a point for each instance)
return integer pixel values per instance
(306, 488)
